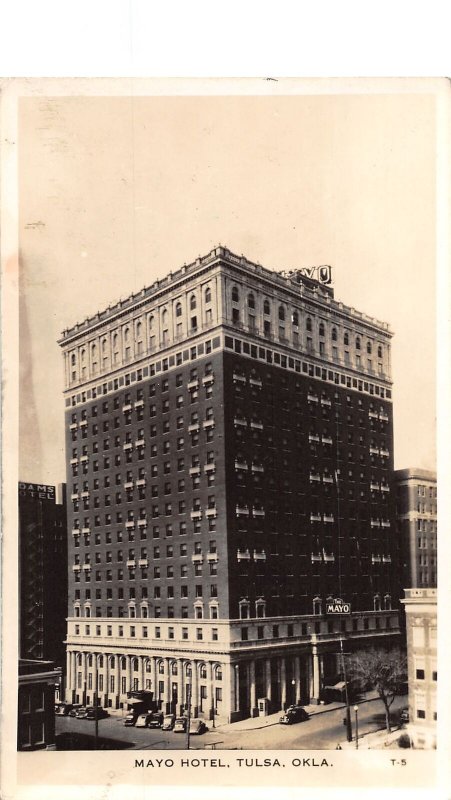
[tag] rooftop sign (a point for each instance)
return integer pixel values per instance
(322, 274)
(40, 491)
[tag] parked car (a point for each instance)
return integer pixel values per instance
(404, 715)
(156, 720)
(81, 712)
(130, 719)
(197, 726)
(143, 719)
(63, 708)
(74, 709)
(294, 714)
(180, 725)
(99, 712)
(168, 722)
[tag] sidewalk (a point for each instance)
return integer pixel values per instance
(255, 723)
(376, 740)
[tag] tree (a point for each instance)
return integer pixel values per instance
(382, 670)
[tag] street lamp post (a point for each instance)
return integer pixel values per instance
(356, 709)
(348, 709)
(293, 683)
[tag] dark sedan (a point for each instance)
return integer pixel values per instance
(294, 714)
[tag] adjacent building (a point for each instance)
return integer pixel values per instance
(421, 625)
(36, 704)
(416, 509)
(229, 446)
(42, 572)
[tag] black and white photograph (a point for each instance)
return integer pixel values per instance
(227, 470)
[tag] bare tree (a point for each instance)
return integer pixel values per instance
(384, 671)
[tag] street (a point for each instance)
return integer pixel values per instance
(322, 731)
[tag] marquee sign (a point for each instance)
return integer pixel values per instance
(338, 607)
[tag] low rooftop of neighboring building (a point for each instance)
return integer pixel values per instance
(28, 666)
(415, 473)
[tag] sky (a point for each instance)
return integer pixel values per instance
(117, 191)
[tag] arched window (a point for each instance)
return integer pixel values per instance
(357, 342)
(138, 328)
(100, 662)
(126, 334)
(218, 672)
(251, 300)
(164, 316)
(178, 309)
(174, 668)
(387, 602)
(83, 356)
(148, 665)
(317, 605)
(93, 350)
(235, 294)
(72, 359)
(295, 318)
(377, 602)
(89, 661)
(321, 329)
(192, 302)
(282, 313)
(369, 348)
(208, 295)
(123, 663)
(266, 307)
(334, 334)
(79, 659)
(308, 324)
(112, 662)
(203, 671)
(346, 337)
(161, 667)
(151, 321)
(379, 351)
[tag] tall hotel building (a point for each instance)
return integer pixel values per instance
(230, 472)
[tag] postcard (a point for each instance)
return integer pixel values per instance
(222, 306)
